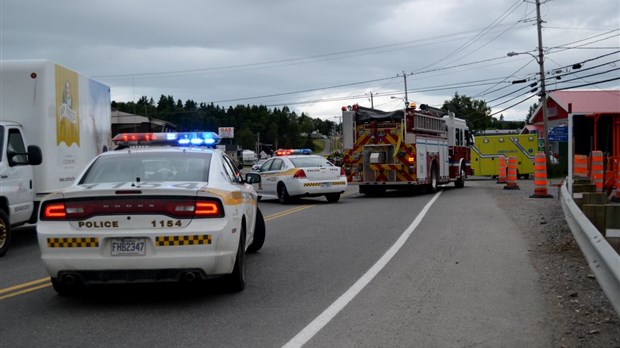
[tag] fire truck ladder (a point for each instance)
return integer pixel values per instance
(425, 123)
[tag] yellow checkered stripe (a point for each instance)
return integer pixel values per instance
(183, 240)
(84, 242)
(335, 183)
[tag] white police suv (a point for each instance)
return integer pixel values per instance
(297, 173)
(166, 207)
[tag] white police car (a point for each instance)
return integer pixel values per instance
(297, 173)
(152, 214)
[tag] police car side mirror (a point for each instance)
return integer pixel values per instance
(252, 178)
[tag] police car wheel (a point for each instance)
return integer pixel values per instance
(332, 197)
(236, 280)
(283, 196)
(5, 233)
(259, 233)
(65, 289)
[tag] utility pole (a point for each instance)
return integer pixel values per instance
(406, 97)
(543, 92)
(372, 103)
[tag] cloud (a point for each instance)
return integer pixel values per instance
(250, 52)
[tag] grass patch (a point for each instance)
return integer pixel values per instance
(319, 145)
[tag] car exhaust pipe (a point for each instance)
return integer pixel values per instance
(189, 276)
(69, 279)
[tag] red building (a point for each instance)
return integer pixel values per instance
(596, 116)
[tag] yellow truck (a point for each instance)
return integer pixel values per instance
(488, 148)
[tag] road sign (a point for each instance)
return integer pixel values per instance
(558, 134)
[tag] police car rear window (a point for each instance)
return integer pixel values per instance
(172, 166)
(311, 162)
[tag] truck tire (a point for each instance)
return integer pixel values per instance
(432, 187)
(5, 233)
(372, 191)
(259, 233)
(460, 181)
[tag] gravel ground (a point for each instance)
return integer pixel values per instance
(581, 314)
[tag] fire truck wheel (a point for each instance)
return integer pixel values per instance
(372, 191)
(283, 196)
(332, 197)
(5, 233)
(434, 179)
(460, 181)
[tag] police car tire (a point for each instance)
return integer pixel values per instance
(283, 196)
(332, 197)
(5, 233)
(236, 280)
(64, 289)
(259, 233)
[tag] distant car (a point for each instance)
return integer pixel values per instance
(296, 173)
(152, 214)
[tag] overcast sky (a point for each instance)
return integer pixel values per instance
(315, 56)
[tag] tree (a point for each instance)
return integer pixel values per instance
(475, 112)
(531, 111)
(245, 138)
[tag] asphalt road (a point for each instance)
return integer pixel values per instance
(373, 275)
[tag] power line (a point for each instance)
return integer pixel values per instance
(476, 37)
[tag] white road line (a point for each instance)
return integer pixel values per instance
(324, 318)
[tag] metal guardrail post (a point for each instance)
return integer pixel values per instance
(602, 259)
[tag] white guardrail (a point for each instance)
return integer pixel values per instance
(603, 260)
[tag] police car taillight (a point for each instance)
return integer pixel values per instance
(54, 211)
(342, 172)
(208, 209)
(299, 174)
(180, 208)
(208, 139)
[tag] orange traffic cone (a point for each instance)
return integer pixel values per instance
(511, 177)
(580, 168)
(596, 171)
(540, 177)
(501, 162)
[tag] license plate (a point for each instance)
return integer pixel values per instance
(128, 246)
(326, 184)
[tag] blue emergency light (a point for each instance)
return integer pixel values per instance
(208, 139)
(291, 152)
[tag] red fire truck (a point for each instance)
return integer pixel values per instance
(404, 149)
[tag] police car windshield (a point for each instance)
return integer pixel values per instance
(310, 162)
(167, 166)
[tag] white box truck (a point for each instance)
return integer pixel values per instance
(48, 111)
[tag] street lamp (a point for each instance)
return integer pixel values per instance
(337, 140)
(401, 98)
(543, 95)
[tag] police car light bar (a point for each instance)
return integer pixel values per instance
(174, 139)
(290, 152)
